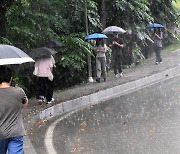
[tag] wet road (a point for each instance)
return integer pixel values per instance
(146, 121)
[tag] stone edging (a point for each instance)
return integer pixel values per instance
(97, 97)
(94, 98)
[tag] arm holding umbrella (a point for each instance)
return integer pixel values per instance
(118, 44)
(117, 41)
(158, 36)
(101, 49)
(53, 61)
(100, 46)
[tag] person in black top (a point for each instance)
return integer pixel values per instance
(116, 46)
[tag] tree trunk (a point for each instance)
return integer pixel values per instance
(2, 20)
(103, 13)
(4, 4)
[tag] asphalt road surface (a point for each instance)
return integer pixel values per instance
(146, 121)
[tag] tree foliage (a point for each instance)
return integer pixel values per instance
(27, 23)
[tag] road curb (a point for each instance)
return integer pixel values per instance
(103, 95)
(95, 98)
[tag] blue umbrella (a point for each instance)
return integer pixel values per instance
(96, 36)
(154, 25)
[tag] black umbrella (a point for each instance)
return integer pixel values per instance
(52, 44)
(13, 55)
(42, 52)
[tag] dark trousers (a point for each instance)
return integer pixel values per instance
(44, 88)
(116, 63)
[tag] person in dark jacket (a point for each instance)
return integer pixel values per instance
(117, 46)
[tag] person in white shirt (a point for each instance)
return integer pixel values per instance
(44, 84)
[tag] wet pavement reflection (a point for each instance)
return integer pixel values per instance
(142, 122)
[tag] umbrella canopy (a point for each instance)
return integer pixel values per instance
(113, 29)
(52, 44)
(154, 25)
(96, 36)
(42, 52)
(13, 55)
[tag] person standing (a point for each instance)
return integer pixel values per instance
(158, 37)
(44, 85)
(11, 121)
(100, 59)
(117, 46)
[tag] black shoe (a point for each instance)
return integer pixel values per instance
(40, 102)
(98, 80)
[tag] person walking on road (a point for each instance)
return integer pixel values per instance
(117, 46)
(101, 49)
(158, 37)
(11, 121)
(44, 85)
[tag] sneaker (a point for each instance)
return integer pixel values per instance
(40, 101)
(117, 76)
(50, 102)
(157, 63)
(120, 75)
(98, 80)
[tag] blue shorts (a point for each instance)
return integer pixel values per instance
(13, 145)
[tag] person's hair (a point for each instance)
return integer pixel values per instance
(5, 74)
(99, 42)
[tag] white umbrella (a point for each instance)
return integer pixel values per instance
(13, 55)
(113, 29)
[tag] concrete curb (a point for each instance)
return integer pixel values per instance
(95, 98)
